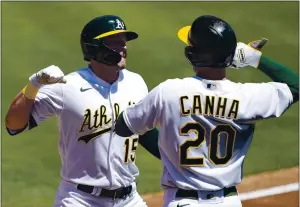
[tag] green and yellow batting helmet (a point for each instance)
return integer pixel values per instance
(93, 34)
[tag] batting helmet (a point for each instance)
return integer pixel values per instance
(211, 42)
(92, 42)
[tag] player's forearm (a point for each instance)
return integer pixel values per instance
(18, 114)
(121, 127)
(149, 141)
(280, 73)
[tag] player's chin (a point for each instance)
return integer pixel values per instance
(122, 65)
(121, 68)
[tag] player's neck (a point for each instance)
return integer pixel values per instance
(211, 73)
(107, 73)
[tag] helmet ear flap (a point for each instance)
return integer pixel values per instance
(89, 49)
(188, 52)
(198, 59)
(108, 56)
(191, 55)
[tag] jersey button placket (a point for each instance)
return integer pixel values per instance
(110, 157)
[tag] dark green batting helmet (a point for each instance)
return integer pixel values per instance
(211, 42)
(92, 42)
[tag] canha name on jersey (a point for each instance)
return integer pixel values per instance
(210, 106)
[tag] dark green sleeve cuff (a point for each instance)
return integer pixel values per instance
(121, 127)
(149, 140)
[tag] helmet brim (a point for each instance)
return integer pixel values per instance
(183, 34)
(130, 35)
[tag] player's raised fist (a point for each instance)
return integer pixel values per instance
(49, 75)
(248, 55)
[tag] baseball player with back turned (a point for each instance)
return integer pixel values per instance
(97, 170)
(207, 121)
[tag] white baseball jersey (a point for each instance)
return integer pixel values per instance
(205, 127)
(86, 108)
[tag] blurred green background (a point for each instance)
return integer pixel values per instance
(38, 34)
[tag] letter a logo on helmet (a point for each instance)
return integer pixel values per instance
(120, 25)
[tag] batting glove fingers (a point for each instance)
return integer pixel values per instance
(49, 75)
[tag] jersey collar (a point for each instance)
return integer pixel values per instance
(90, 77)
(201, 79)
(211, 84)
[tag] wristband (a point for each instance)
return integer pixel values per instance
(255, 58)
(30, 91)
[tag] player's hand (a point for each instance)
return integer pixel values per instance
(49, 75)
(248, 55)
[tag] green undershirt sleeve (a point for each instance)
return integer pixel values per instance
(280, 73)
(149, 140)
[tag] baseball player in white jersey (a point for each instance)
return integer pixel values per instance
(207, 121)
(97, 170)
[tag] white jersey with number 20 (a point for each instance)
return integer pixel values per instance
(206, 127)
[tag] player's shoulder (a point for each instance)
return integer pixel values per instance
(174, 83)
(170, 86)
(253, 88)
(132, 76)
(80, 77)
(261, 85)
(50, 90)
(74, 77)
(239, 87)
